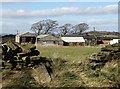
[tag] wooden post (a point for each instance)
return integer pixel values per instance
(36, 42)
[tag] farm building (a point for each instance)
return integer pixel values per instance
(90, 39)
(26, 37)
(106, 39)
(114, 41)
(47, 39)
(73, 41)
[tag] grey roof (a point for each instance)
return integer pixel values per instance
(26, 34)
(42, 35)
(47, 37)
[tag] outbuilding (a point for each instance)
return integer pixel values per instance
(114, 41)
(47, 39)
(73, 41)
(25, 38)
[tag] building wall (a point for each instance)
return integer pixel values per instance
(48, 42)
(28, 40)
(106, 41)
(73, 44)
(43, 42)
(17, 39)
(114, 41)
(90, 42)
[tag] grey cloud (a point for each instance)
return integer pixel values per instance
(88, 11)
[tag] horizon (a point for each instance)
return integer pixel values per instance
(3, 34)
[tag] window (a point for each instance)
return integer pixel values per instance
(23, 39)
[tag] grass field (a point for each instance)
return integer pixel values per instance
(69, 53)
(70, 69)
(76, 72)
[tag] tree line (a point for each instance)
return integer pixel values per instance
(49, 26)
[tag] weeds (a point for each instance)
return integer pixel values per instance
(24, 81)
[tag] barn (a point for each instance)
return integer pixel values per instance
(25, 38)
(47, 39)
(73, 41)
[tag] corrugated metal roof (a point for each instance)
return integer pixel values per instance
(73, 39)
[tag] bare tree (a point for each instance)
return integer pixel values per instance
(44, 26)
(37, 27)
(65, 29)
(79, 28)
(49, 25)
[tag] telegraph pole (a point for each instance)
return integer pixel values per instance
(17, 32)
(95, 35)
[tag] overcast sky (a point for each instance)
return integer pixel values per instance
(20, 15)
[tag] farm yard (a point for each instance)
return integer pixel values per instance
(70, 69)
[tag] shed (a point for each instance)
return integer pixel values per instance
(90, 39)
(47, 39)
(26, 37)
(72, 41)
(114, 41)
(105, 39)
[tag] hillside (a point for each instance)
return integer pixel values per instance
(6, 38)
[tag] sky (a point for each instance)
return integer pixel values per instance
(59, 0)
(21, 15)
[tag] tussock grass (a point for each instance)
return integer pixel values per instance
(24, 80)
(106, 76)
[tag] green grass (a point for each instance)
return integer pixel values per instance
(67, 73)
(69, 53)
(76, 71)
